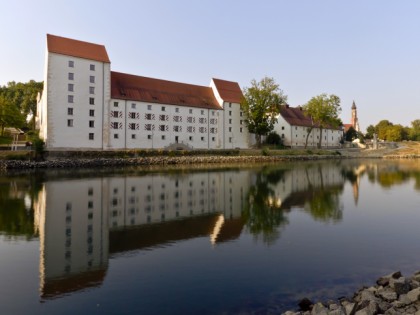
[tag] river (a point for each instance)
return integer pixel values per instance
(204, 240)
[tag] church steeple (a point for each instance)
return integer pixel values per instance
(354, 119)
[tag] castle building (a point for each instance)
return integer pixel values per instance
(85, 105)
(292, 125)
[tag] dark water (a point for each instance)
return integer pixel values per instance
(204, 241)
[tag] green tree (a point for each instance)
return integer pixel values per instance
(261, 105)
(382, 129)
(414, 131)
(395, 133)
(10, 116)
(370, 131)
(351, 134)
(324, 110)
(23, 96)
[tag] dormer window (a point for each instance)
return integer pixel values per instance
(92, 67)
(71, 63)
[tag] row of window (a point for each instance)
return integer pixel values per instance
(71, 65)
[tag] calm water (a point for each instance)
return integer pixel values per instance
(204, 241)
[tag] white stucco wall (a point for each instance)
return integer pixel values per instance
(59, 134)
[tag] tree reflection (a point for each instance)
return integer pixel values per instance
(324, 205)
(16, 218)
(262, 213)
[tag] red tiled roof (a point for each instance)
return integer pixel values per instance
(347, 127)
(143, 89)
(295, 116)
(76, 48)
(229, 91)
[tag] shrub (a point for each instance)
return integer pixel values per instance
(265, 151)
(273, 138)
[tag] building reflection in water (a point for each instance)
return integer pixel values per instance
(84, 222)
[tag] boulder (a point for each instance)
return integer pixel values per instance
(414, 295)
(383, 281)
(400, 285)
(305, 304)
(319, 309)
(387, 295)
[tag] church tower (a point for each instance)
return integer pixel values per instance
(354, 119)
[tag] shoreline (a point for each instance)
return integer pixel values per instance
(99, 162)
(393, 294)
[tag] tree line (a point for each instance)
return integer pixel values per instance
(18, 101)
(388, 131)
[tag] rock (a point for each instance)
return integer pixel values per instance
(339, 311)
(383, 281)
(349, 307)
(387, 295)
(414, 295)
(400, 285)
(319, 309)
(367, 295)
(305, 304)
(405, 300)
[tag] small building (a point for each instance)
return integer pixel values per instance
(85, 105)
(293, 125)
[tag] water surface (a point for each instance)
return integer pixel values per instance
(249, 240)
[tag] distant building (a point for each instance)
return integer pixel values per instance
(292, 126)
(354, 119)
(85, 105)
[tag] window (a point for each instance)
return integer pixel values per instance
(133, 105)
(230, 105)
(230, 113)
(71, 76)
(177, 118)
(202, 138)
(230, 129)
(115, 113)
(163, 127)
(240, 122)
(202, 120)
(69, 122)
(132, 115)
(70, 98)
(91, 123)
(163, 117)
(191, 129)
(212, 112)
(92, 79)
(240, 129)
(190, 138)
(115, 104)
(176, 110)
(71, 63)
(133, 136)
(69, 111)
(149, 137)
(230, 121)
(149, 107)
(282, 127)
(202, 112)
(91, 90)
(177, 128)
(213, 139)
(190, 111)
(282, 135)
(91, 101)
(163, 137)
(91, 136)
(295, 128)
(240, 114)
(191, 119)
(115, 135)
(230, 140)
(133, 126)
(202, 129)
(92, 67)
(114, 125)
(91, 112)
(70, 87)
(163, 108)
(149, 116)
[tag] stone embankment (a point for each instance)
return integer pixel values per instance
(145, 161)
(392, 295)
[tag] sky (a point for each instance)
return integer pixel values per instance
(367, 51)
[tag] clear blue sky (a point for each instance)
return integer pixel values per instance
(362, 50)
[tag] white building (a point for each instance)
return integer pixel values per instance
(292, 126)
(85, 105)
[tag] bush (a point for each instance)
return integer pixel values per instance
(265, 151)
(273, 138)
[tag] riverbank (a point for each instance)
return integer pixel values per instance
(159, 160)
(393, 294)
